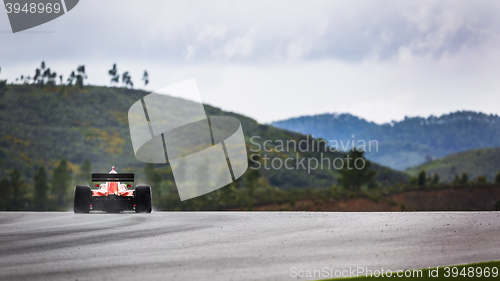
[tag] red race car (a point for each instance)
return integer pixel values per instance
(112, 194)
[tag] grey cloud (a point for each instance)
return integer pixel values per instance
(253, 31)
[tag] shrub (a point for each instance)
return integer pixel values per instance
(482, 179)
(392, 202)
(413, 180)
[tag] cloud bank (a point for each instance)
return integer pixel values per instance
(272, 60)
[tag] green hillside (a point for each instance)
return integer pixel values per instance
(41, 125)
(479, 162)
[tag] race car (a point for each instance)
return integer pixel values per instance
(112, 194)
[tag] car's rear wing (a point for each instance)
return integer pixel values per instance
(124, 177)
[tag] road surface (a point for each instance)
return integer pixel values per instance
(236, 245)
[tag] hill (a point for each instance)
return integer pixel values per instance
(328, 126)
(43, 125)
(478, 162)
(409, 142)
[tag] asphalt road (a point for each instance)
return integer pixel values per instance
(236, 245)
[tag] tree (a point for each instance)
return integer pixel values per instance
(3, 86)
(77, 76)
(421, 180)
(114, 74)
(6, 194)
(37, 75)
(497, 178)
(24, 79)
(153, 178)
(127, 79)
(435, 178)
(41, 189)
(145, 78)
(457, 180)
(251, 177)
(42, 74)
(71, 78)
(18, 189)
(60, 181)
(51, 76)
(80, 76)
(85, 171)
(353, 175)
(465, 177)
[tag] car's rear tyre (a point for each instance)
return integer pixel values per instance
(143, 199)
(83, 197)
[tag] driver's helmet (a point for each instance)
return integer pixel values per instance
(113, 170)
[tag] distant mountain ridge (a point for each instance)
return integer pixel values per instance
(409, 142)
(330, 126)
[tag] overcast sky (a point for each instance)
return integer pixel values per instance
(271, 60)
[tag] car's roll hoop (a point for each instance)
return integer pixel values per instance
(124, 177)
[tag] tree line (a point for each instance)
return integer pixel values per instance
(55, 193)
(422, 179)
(250, 191)
(44, 76)
(46, 194)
